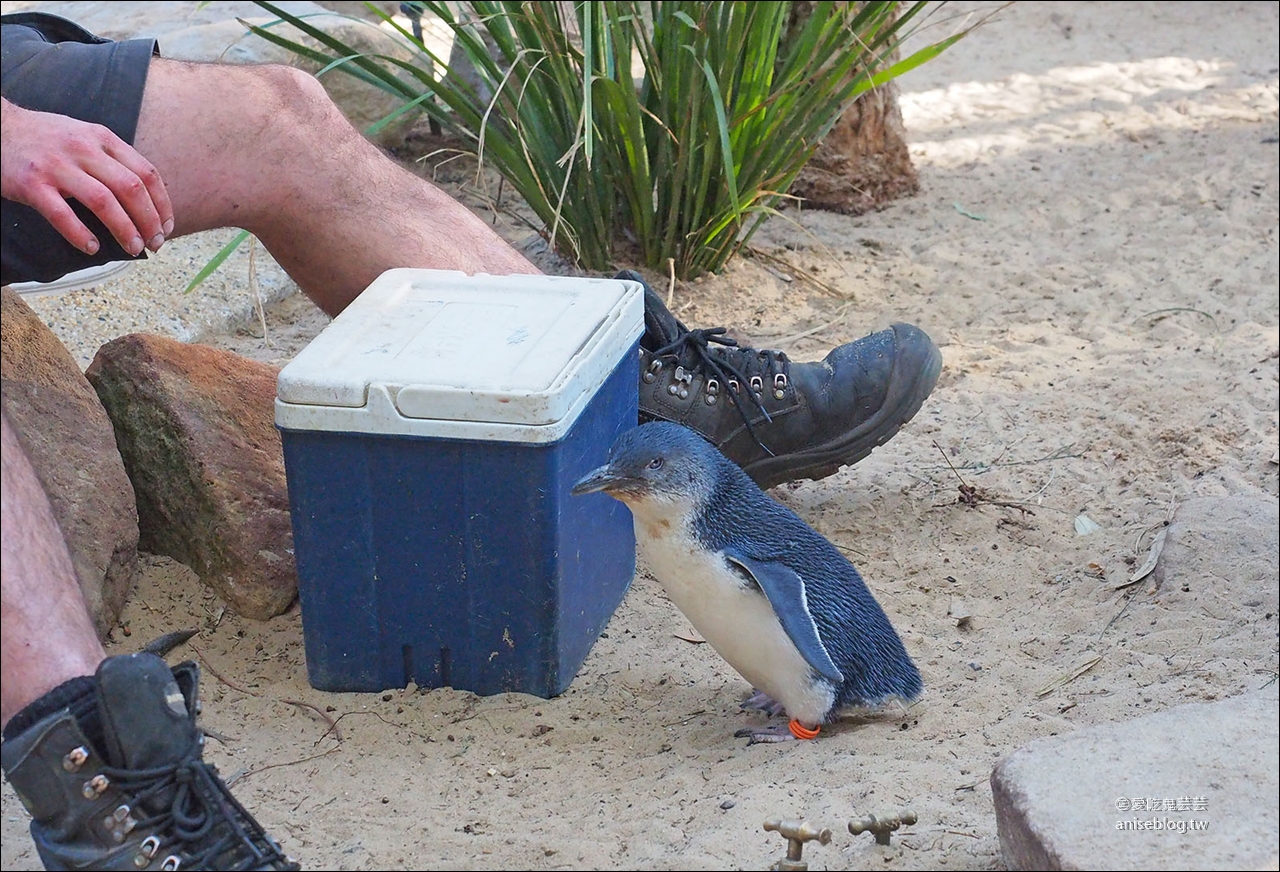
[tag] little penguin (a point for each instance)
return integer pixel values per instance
(771, 595)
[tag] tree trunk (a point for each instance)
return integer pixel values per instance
(863, 163)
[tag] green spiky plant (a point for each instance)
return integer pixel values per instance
(683, 163)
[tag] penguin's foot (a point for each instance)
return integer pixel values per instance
(791, 732)
(763, 735)
(761, 701)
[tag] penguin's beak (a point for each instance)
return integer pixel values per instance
(601, 479)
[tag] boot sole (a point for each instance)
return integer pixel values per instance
(916, 367)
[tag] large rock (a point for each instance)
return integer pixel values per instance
(196, 429)
(1083, 800)
(72, 446)
(1096, 798)
(208, 32)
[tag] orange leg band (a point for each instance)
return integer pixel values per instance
(800, 731)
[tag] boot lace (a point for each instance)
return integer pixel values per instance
(732, 365)
(197, 803)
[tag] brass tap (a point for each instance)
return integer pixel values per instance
(796, 833)
(882, 827)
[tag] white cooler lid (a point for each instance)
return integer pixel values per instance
(441, 353)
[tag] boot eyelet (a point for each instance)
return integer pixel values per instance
(150, 845)
(712, 392)
(171, 863)
(757, 384)
(651, 372)
(75, 758)
(734, 386)
(119, 823)
(683, 393)
(95, 786)
(779, 386)
(673, 389)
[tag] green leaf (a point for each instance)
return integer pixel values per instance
(216, 261)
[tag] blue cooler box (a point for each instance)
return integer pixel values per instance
(431, 435)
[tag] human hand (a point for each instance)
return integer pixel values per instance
(47, 158)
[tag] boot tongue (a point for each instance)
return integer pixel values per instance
(145, 722)
(660, 327)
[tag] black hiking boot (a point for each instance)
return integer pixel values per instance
(777, 419)
(110, 768)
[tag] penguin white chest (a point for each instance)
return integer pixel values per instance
(733, 615)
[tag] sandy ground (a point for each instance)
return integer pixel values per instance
(1095, 250)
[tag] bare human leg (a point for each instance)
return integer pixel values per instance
(40, 600)
(265, 149)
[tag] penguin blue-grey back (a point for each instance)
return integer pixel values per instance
(774, 597)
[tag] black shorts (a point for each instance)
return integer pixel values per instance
(51, 65)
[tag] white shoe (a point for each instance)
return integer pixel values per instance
(74, 281)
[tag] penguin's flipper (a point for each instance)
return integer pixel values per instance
(784, 589)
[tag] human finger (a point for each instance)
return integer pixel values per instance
(51, 205)
(105, 203)
(152, 197)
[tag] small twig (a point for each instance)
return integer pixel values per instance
(987, 498)
(258, 769)
(803, 273)
(334, 727)
(253, 285)
(1069, 677)
(684, 720)
(1212, 320)
(1044, 487)
(1119, 614)
(671, 286)
(333, 724)
(849, 549)
(968, 493)
(214, 734)
(218, 675)
(949, 463)
(1058, 454)
(786, 340)
(307, 796)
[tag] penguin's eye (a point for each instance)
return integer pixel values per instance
(656, 463)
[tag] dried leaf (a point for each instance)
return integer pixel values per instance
(1086, 525)
(1153, 555)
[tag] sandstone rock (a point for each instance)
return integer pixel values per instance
(196, 429)
(72, 446)
(1084, 800)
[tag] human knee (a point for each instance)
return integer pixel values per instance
(295, 100)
